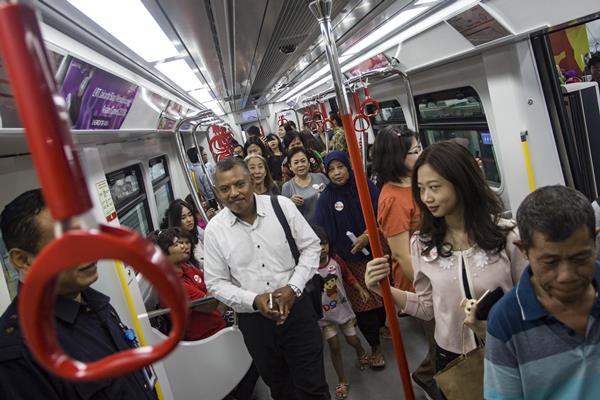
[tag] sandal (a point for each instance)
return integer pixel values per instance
(377, 361)
(363, 362)
(341, 391)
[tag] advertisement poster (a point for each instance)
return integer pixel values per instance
(96, 99)
(375, 62)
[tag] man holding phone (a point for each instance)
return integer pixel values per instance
(543, 338)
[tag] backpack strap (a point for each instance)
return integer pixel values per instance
(286, 228)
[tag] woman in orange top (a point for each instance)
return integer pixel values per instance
(395, 152)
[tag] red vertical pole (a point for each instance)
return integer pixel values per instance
(321, 9)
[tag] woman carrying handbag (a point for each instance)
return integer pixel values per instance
(462, 249)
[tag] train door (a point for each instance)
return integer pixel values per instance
(563, 54)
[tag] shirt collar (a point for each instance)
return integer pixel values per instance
(67, 309)
(260, 211)
(531, 308)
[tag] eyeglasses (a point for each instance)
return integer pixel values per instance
(415, 150)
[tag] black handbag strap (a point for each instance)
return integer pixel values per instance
(286, 228)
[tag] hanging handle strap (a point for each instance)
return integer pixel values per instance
(54, 156)
(65, 190)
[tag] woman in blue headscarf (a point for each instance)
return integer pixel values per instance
(339, 213)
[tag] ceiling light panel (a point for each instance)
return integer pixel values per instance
(142, 34)
(180, 72)
(203, 96)
(386, 29)
(418, 3)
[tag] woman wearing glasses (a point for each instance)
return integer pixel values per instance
(395, 152)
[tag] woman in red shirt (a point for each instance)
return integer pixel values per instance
(205, 320)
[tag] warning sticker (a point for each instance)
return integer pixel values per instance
(108, 207)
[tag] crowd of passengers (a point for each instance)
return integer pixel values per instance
(286, 246)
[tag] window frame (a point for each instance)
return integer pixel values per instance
(476, 123)
(125, 205)
(164, 180)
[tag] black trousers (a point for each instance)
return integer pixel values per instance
(369, 323)
(289, 357)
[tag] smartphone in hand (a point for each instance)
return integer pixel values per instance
(485, 303)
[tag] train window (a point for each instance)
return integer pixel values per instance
(128, 194)
(458, 115)
(161, 184)
(391, 114)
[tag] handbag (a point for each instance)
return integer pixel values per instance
(314, 286)
(462, 378)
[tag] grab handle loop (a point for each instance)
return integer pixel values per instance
(65, 190)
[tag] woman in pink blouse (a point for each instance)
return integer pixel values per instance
(462, 248)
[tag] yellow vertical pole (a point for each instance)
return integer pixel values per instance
(527, 156)
(137, 326)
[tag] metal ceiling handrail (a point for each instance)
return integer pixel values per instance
(375, 75)
(202, 164)
(182, 156)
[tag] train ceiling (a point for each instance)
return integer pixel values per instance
(226, 54)
(223, 54)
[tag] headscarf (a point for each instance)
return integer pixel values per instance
(339, 211)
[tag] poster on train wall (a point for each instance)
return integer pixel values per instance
(94, 98)
(569, 47)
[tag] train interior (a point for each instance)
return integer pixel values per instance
(483, 72)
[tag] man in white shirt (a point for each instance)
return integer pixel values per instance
(249, 266)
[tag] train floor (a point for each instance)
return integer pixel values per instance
(370, 384)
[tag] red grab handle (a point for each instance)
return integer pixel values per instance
(65, 190)
(369, 100)
(36, 300)
(42, 112)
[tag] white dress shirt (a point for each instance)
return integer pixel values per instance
(243, 260)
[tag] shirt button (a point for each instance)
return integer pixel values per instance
(263, 265)
(267, 283)
(258, 246)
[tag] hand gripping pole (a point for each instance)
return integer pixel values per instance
(321, 9)
(57, 164)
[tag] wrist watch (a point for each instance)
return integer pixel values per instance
(296, 290)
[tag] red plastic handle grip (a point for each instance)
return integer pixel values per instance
(363, 127)
(42, 112)
(369, 100)
(365, 103)
(356, 103)
(36, 300)
(328, 125)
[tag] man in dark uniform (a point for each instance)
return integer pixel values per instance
(88, 327)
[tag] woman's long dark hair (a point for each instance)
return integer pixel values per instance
(172, 217)
(481, 206)
(391, 148)
(279, 144)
